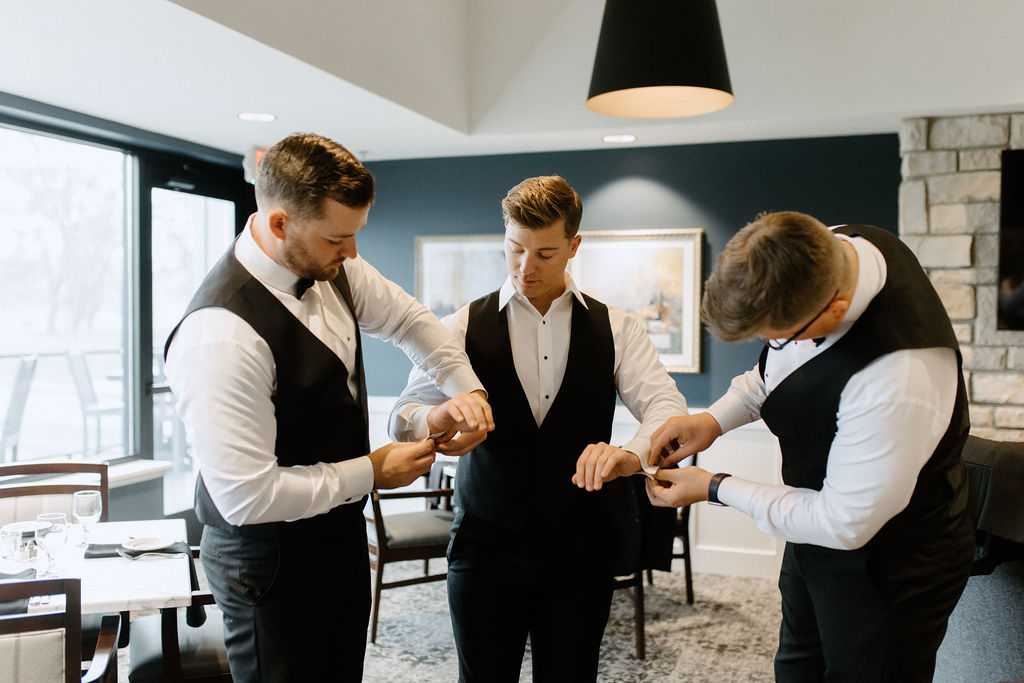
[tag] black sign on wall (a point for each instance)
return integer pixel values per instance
(1011, 242)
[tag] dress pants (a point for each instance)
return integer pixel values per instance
(294, 609)
(553, 586)
(869, 614)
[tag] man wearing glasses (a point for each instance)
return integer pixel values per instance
(860, 379)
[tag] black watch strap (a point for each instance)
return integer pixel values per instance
(713, 488)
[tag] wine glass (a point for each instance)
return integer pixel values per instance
(86, 508)
(51, 535)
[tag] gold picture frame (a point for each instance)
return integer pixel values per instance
(654, 274)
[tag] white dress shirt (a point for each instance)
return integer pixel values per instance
(540, 351)
(223, 377)
(892, 414)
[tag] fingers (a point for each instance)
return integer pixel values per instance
(472, 412)
(600, 463)
(656, 492)
(660, 438)
(689, 434)
(463, 444)
(400, 463)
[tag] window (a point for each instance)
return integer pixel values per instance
(190, 233)
(62, 283)
(106, 241)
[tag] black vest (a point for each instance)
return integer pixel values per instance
(523, 473)
(802, 410)
(318, 420)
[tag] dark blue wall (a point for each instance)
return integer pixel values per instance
(717, 187)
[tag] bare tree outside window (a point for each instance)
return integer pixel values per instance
(62, 285)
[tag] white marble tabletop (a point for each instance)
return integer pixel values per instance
(116, 584)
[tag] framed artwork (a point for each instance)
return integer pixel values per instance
(654, 274)
(452, 270)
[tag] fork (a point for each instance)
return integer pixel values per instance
(139, 556)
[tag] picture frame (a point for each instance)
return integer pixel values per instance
(452, 270)
(657, 277)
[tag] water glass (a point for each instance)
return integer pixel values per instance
(87, 508)
(51, 536)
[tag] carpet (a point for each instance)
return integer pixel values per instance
(729, 635)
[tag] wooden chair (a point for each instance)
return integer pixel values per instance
(11, 429)
(90, 404)
(46, 646)
(682, 532)
(165, 647)
(406, 536)
(43, 487)
(34, 490)
(645, 536)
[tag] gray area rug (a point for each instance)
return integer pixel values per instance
(728, 635)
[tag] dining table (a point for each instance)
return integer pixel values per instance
(119, 584)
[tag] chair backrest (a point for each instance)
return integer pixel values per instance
(42, 646)
(16, 405)
(412, 534)
(23, 496)
(83, 380)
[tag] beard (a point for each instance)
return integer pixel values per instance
(299, 261)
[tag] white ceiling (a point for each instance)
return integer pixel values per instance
(394, 79)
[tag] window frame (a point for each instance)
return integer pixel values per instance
(153, 161)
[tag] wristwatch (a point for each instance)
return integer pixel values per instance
(713, 488)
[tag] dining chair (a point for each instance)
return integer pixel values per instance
(43, 643)
(90, 404)
(681, 530)
(30, 488)
(645, 538)
(401, 536)
(174, 646)
(16, 408)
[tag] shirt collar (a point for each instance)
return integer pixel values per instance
(871, 273)
(508, 291)
(262, 267)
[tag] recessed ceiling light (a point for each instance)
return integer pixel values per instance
(619, 139)
(257, 116)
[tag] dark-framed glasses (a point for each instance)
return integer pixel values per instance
(778, 346)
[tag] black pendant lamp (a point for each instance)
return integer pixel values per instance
(660, 59)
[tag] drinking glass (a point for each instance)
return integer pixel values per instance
(86, 508)
(51, 535)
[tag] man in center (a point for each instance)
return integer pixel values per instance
(532, 543)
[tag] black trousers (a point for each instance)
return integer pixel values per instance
(294, 609)
(867, 614)
(503, 586)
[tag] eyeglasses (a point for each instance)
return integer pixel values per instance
(776, 346)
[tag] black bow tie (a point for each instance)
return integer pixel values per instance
(302, 285)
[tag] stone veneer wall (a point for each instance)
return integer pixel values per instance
(949, 216)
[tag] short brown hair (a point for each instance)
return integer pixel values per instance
(304, 169)
(772, 274)
(539, 202)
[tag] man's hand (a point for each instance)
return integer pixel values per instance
(600, 462)
(464, 413)
(400, 462)
(462, 444)
(678, 487)
(693, 432)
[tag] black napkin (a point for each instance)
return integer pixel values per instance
(195, 615)
(16, 606)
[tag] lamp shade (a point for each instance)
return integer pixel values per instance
(660, 59)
